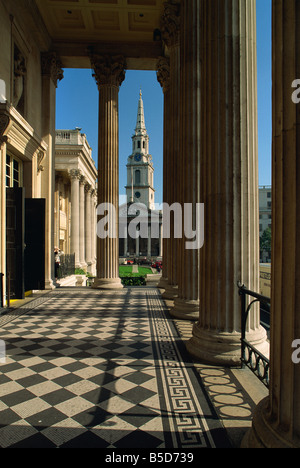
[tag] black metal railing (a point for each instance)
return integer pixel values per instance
(250, 356)
(66, 266)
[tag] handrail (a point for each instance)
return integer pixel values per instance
(250, 356)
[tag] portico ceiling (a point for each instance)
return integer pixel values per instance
(108, 26)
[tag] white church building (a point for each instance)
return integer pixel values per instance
(140, 222)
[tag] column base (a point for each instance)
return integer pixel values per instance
(171, 292)
(262, 434)
(185, 309)
(222, 348)
(49, 285)
(163, 283)
(107, 283)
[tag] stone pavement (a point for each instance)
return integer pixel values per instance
(93, 369)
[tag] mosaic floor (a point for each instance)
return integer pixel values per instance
(93, 369)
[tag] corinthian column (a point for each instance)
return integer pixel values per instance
(109, 75)
(163, 77)
(51, 73)
(170, 27)
(187, 58)
(276, 422)
(88, 226)
(75, 216)
(229, 179)
(82, 232)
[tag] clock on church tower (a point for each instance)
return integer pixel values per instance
(139, 188)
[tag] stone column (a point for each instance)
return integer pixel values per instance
(229, 180)
(187, 58)
(4, 122)
(51, 73)
(163, 77)
(75, 215)
(170, 27)
(93, 233)
(88, 226)
(276, 421)
(82, 230)
(109, 74)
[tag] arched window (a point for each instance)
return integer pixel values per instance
(137, 177)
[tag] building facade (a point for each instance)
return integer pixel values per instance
(75, 198)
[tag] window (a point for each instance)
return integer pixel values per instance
(13, 172)
(137, 177)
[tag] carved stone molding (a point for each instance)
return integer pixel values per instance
(108, 70)
(87, 188)
(163, 73)
(4, 122)
(170, 23)
(51, 66)
(40, 158)
(82, 180)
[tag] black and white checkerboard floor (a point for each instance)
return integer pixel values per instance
(93, 369)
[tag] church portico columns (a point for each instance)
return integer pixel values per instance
(109, 74)
(276, 420)
(229, 180)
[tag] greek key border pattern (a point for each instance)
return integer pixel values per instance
(185, 420)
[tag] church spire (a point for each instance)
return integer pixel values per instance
(140, 121)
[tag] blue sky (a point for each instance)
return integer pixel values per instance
(77, 106)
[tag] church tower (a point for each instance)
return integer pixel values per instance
(139, 188)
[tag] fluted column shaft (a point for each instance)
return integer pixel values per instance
(186, 305)
(82, 231)
(109, 74)
(163, 77)
(75, 216)
(229, 181)
(276, 422)
(88, 226)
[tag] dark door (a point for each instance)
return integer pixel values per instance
(34, 244)
(15, 241)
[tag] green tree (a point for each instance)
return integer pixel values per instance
(266, 240)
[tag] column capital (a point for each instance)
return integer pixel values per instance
(163, 73)
(74, 174)
(108, 70)
(170, 23)
(82, 179)
(51, 66)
